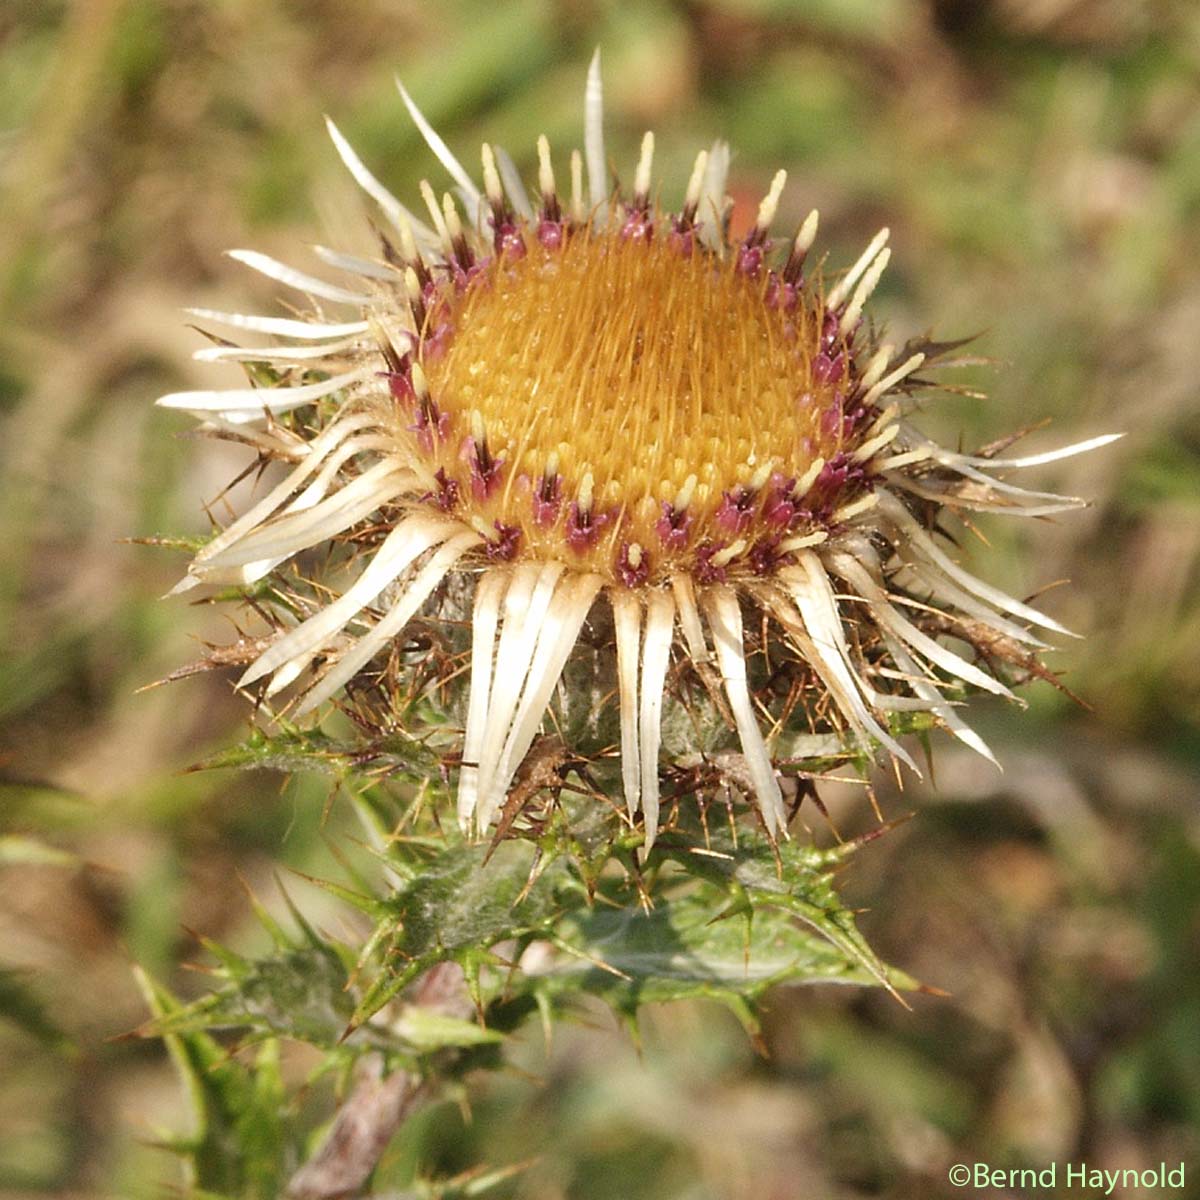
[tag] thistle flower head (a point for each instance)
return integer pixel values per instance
(584, 403)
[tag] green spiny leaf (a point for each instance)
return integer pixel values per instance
(292, 749)
(427, 1030)
(792, 877)
(675, 951)
(459, 902)
(237, 1147)
(298, 993)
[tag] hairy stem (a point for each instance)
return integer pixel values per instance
(376, 1107)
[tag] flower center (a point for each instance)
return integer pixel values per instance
(632, 405)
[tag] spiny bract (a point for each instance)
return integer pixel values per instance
(581, 394)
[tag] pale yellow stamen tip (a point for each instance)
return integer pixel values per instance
(907, 458)
(408, 241)
(807, 234)
(419, 382)
(856, 507)
(545, 168)
(810, 476)
(641, 180)
(843, 288)
(760, 477)
(872, 447)
(491, 177)
(885, 418)
(586, 488)
(453, 223)
(861, 294)
(684, 496)
(723, 558)
(770, 204)
(481, 527)
(435, 212)
(905, 369)
(803, 542)
(696, 183)
(876, 367)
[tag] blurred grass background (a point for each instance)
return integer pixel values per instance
(1039, 164)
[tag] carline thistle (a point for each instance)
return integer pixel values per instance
(579, 398)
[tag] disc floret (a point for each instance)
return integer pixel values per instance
(630, 405)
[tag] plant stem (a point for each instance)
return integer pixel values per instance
(376, 1107)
